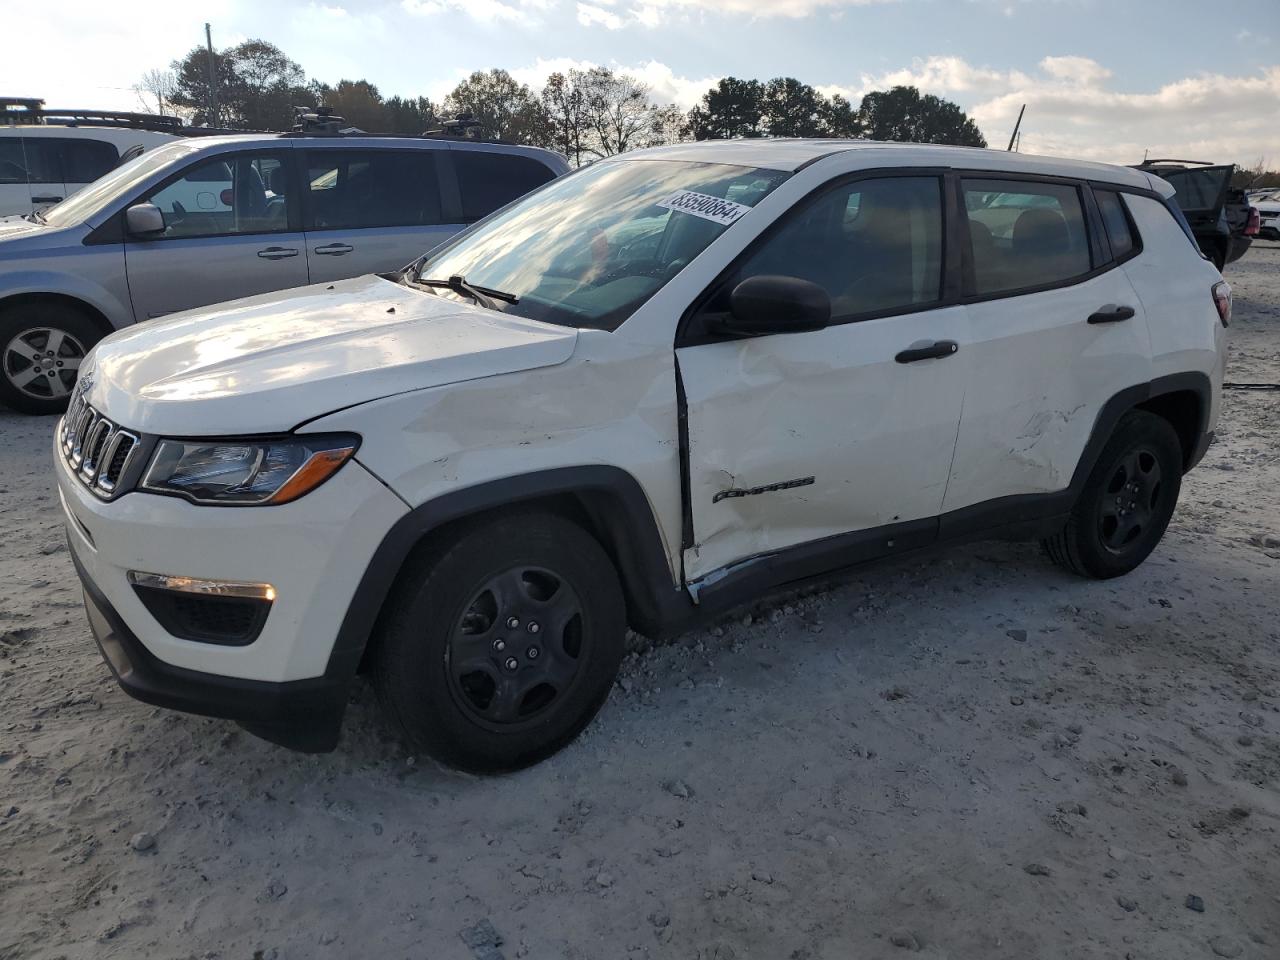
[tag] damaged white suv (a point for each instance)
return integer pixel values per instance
(644, 394)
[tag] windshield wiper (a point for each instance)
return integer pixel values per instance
(35, 216)
(481, 295)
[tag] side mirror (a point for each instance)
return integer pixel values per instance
(144, 220)
(767, 304)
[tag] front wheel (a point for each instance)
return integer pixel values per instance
(1126, 503)
(501, 645)
(41, 348)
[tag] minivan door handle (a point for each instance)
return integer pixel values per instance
(277, 253)
(334, 249)
(928, 351)
(46, 199)
(1111, 314)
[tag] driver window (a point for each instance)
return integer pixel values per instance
(225, 197)
(874, 245)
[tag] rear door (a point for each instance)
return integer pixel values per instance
(371, 210)
(15, 191)
(226, 236)
(1057, 331)
(41, 159)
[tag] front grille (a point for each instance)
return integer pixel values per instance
(97, 450)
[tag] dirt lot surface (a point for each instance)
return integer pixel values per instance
(964, 755)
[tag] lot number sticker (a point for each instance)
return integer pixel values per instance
(705, 206)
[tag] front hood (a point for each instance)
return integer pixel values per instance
(18, 235)
(266, 364)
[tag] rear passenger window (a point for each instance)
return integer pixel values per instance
(875, 246)
(488, 181)
(84, 161)
(1116, 220)
(1024, 234)
(44, 165)
(13, 163)
(354, 189)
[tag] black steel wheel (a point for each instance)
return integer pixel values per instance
(1127, 501)
(501, 642)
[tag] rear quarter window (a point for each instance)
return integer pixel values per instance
(488, 181)
(1115, 219)
(84, 161)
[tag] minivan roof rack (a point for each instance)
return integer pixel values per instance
(1194, 163)
(26, 111)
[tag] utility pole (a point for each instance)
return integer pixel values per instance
(213, 78)
(1014, 136)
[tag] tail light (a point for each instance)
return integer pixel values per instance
(1254, 223)
(1222, 300)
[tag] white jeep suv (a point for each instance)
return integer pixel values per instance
(644, 394)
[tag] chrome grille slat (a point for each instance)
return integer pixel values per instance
(98, 451)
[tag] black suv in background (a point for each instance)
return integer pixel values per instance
(1220, 216)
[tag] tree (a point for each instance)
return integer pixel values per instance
(158, 87)
(505, 108)
(565, 105)
(358, 103)
(790, 108)
(732, 108)
(619, 113)
(903, 114)
(838, 118)
(410, 116)
(257, 86)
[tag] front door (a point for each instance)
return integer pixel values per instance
(795, 438)
(226, 236)
(371, 210)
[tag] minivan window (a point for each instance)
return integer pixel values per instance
(13, 163)
(1116, 222)
(1024, 234)
(588, 249)
(371, 188)
(222, 197)
(117, 185)
(874, 246)
(84, 161)
(43, 163)
(488, 181)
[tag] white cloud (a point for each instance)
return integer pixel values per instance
(589, 14)
(1074, 110)
(484, 11)
(651, 13)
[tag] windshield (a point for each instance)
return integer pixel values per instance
(588, 249)
(108, 188)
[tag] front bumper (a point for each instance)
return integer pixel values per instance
(290, 683)
(300, 714)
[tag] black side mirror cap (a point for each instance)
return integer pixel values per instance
(769, 304)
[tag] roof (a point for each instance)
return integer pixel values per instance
(785, 154)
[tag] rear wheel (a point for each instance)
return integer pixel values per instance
(41, 348)
(501, 646)
(1126, 503)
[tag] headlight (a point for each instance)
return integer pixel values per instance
(247, 471)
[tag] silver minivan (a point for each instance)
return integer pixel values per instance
(201, 221)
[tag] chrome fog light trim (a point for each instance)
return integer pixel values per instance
(206, 588)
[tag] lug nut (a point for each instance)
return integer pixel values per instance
(532, 653)
(534, 627)
(512, 663)
(512, 623)
(499, 645)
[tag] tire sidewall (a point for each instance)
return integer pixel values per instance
(1135, 429)
(14, 321)
(412, 660)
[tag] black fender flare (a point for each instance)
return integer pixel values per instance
(612, 500)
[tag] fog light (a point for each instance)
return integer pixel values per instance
(228, 612)
(208, 588)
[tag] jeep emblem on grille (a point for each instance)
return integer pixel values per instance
(84, 384)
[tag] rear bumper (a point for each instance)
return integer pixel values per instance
(300, 714)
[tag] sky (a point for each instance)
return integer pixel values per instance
(1102, 79)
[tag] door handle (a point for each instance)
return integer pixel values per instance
(46, 199)
(928, 351)
(334, 249)
(277, 253)
(1111, 314)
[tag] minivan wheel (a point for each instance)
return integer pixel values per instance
(499, 646)
(41, 348)
(1126, 503)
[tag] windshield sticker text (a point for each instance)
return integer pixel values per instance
(705, 206)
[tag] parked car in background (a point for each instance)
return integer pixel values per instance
(47, 155)
(198, 221)
(1219, 214)
(649, 392)
(1267, 203)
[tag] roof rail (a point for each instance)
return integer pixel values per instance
(33, 112)
(1194, 163)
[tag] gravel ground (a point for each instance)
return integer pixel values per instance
(968, 754)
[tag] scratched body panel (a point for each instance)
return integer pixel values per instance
(876, 436)
(1038, 374)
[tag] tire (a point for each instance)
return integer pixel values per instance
(500, 646)
(56, 333)
(1114, 527)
